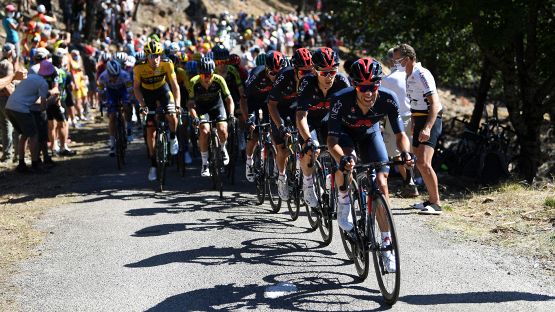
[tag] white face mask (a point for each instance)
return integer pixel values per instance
(400, 67)
(11, 14)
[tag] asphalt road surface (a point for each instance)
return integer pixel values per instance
(124, 247)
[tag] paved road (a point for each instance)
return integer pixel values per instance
(123, 247)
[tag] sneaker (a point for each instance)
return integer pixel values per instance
(420, 205)
(174, 146)
(409, 191)
(38, 169)
(225, 156)
(310, 197)
(343, 214)
(112, 152)
(205, 171)
(431, 209)
(388, 257)
(67, 152)
(249, 173)
(188, 158)
(283, 190)
(152, 174)
(22, 168)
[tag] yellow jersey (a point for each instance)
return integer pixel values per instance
(152, 79)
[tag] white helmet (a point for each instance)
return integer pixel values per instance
(105, 56)
(140, 55)
(131, 60)
(121, 57)
(174, 48)
(113, 68)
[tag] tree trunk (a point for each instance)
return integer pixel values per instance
(481, 96)
(90, 20)
(137, 3)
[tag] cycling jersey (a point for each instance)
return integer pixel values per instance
(208, 99)
(153, 78)
(345, 115)
(420, 84)
(312, 100)
(233, 80)
(115, 89)
(284, 91)
(257, 88)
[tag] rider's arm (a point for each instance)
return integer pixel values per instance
(302, 124)
(274, 113)
(137, 92)
(334, 129)
(230, 105)
(244, 109)
(303, 99)
(226, 95)
(175, 90)
(191, 106)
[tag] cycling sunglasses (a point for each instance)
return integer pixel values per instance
(204, 76)
(303, 72)
(326, 73)
(368, 87)
(154, 56)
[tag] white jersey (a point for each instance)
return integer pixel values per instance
(397, 84)
(420, 85)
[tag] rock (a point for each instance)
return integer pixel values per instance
(487, 200)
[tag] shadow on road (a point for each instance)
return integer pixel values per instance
(475, 297)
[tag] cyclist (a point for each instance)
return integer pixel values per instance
(313, 110)
(355, 117)
(282, 104)
(208, 92)
(257, 88)
(229, 72)
(150, 84)
(114, 85)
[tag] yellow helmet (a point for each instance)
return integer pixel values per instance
(153, 47)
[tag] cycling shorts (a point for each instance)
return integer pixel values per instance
(435, 132)
(288, 112)
(53, 112)
(161, 96)
(370, 147)
(216, 113)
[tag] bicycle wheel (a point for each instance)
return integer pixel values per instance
(119, 142)
(181, 138)
(360, 250)
(389, 282)
(161, 158)
(232, 146)
(321, 219)
(271, 175)
(259, 175)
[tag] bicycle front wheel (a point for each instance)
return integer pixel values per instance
(316, 217)
(271, 178)
(293, 177)
(161, 155)
(259, 175)
(120, 142)
(385, 252)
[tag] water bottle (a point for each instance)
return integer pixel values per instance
(328, 181)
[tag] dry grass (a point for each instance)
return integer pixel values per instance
(511, 215)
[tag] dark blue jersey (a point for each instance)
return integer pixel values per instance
(284, 91)
(257, 86)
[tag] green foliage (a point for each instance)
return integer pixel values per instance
(550, 202)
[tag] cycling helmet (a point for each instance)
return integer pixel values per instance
(183, 57)
(206, 66)
(210, 55)
(140, 55)
(173, 58)
(174, 48)
(131, 60)
(191, 68)
(220, 53)
(113, 67)
(153, 47)
(365, 71)
(260, 59)
(274, 61)
(325, 58)
(302, 58)
(105, 56)
(121, 57)
(235, 59)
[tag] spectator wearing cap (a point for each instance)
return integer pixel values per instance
(11, 26)
(39, 54)
(7, 76)
(18, 109)
(47, 4)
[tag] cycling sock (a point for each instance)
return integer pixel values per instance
(343, 197)
(386, 235)
(153, 161)
(172, 135)
(204, 156)
(249, 160)
(282, 173)
(307, 180)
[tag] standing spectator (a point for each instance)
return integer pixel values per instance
(426, 112)
(41, 16)
(396, 83)
(9, 136)
(11, 26)
(25, 96)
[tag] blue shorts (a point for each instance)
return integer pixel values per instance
(113, 97)
(369, 148)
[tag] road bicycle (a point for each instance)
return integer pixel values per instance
(371, 215)
(293, 171)
(162, 146)
(232, 148)
(264, 166)
(215, 157)
(120, 135)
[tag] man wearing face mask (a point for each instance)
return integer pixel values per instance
(395, 82)
(11, 26)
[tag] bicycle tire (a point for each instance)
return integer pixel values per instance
(294, 200)
(259, 175)
(118, 143)
(389, 285)
(271, 177)
(361, 253)
(232, 144)
(161, 154)
(323, 217)
(346, 240)
(182, 139)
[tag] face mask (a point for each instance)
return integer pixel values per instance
(400, 67)
(75, 57)
(11, 14)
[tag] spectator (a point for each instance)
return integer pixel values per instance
(426, 118)
(9, 136)
(11, 26)
(41, 16)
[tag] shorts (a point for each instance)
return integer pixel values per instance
(287, 112)
(370, 147)
(161, 96)
(42, 125)
(389, 137)
(419, 123)
(79, 93)
(53, 112)
(113, 97)
(320, 126)
(23, 123)
(215, 113)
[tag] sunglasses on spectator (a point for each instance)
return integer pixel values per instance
(368, 87)
(154, 56)
(221, 62)
(204, 76)
(326, 73)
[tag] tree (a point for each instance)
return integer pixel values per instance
(90, 19)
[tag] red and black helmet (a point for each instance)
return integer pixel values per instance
(234, 59)
(366, 71)
(325, 58)
(302, 58)
(274, 61)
